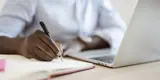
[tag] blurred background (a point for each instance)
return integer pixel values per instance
(124, 7)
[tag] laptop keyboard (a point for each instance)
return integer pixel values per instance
(107, 59)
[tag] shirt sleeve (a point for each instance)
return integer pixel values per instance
(110, 25)
(15, 15)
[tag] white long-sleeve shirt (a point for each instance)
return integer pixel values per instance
(65, 19)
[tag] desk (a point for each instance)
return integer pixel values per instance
(148, 71)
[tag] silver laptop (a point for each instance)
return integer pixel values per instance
(140, 44)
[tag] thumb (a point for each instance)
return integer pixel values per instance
(60, 47)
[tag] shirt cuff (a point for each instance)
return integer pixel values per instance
(7, 35)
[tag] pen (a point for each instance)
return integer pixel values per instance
(44, 28)
(47, 33)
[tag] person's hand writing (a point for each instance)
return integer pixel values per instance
(39, 46)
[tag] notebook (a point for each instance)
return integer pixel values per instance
(21, 68)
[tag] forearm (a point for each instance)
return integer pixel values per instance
(9, 45)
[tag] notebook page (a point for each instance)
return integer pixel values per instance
(27, 68)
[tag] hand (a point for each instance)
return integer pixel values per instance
(74, 46)
(39, 46)
(97, 43)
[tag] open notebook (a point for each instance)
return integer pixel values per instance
(20, 68)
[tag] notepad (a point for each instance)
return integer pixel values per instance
(2, 65)
(20, 68)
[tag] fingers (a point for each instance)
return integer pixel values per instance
(43, 52)
(46, 51)
(48, 41)
(44, 48)
(40, 55)
(60, 48)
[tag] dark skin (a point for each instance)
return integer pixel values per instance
(39, 46)
(78, 45)
(97, 43)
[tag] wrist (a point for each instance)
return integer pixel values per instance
(10, 45)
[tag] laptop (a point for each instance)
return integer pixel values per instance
(140, 44)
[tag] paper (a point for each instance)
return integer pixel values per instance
(2, 65)
(33, 69)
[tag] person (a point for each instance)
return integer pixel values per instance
(78, 24)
